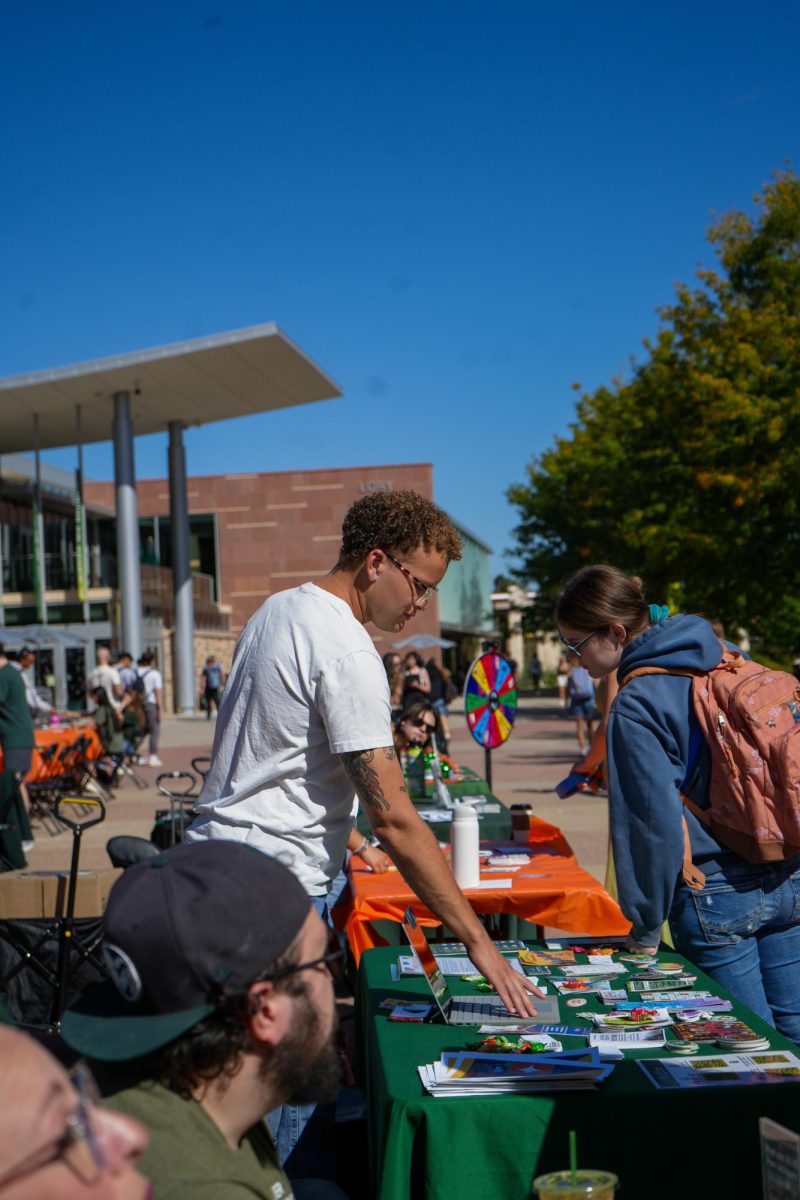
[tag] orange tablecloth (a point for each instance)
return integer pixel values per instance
(552, 890)
(62, 736)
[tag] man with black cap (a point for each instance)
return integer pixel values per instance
(212, 1018)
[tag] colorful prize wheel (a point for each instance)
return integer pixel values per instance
(490, 700)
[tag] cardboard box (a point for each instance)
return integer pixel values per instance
(32, 894)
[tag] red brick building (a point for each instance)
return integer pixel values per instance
(256, 534)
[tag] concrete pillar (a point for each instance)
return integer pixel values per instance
(181, 572)
(130, 578)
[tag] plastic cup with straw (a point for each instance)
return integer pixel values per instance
(577, 1181)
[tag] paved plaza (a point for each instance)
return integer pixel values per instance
(536, 757)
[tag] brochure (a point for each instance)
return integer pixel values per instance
(722, 1070)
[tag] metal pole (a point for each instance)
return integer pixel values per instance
(81, 540)
(39, 565)
(181, 571)
(130, 579)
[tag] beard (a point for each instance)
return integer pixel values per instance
(290, 1070)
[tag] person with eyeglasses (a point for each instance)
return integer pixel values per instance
(210, 1019)
(56, 1143)
(737, 920)
(304, 724)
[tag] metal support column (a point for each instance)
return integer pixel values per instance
(81, 540)
(39, 562)
(130, 579)
(181, 572)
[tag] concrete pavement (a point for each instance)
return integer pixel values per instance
(538, 754)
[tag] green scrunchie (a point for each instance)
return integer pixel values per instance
(658, 613)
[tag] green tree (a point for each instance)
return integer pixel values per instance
(688, 474)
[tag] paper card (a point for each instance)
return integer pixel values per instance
(586, 969)
(491, 883)
(546, 958)
(628, 1039)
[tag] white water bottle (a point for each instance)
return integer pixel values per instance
(464, 857)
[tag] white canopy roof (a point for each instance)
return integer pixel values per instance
(206, 379)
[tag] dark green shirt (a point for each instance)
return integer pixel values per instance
(189, 1157)
(16, 726)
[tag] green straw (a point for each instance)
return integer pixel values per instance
(573, 1157)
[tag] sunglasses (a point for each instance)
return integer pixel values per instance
(421, 723)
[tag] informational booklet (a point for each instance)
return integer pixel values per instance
(468, 1073)
(627, 1039)
(722, 1070)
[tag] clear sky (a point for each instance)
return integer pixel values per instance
(457, 209)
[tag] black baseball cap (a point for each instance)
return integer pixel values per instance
(177, 927)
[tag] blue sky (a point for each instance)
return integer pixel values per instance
(457, 209)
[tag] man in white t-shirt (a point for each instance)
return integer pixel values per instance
(304, 724)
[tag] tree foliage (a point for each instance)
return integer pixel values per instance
(688, 474)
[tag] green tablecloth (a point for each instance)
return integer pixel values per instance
(664, 1145)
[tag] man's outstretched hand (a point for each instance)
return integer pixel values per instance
(514, 989)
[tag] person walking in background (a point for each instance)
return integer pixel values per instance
(105, 676)
(126, 671)
(152, 705)
(562, 678)
(535, 672)
(212, 681)
(580, 691)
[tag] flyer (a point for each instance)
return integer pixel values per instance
(722, 1070)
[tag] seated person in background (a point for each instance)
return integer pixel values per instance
(414, 727)
(211, 1019)
(106, 719)
(54, 1143)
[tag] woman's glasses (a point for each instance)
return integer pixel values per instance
(78, 1147)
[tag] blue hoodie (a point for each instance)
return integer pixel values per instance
(648, 745)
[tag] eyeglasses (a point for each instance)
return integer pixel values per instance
(422, 592)
(421, 723)
(332, 962)
(78, 1147)
(575, 648)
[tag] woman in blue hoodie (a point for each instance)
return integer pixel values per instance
(743, 927)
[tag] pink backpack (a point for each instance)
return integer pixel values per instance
(750, 718)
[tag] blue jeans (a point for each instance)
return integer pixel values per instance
(303, 1133)
(743, 929)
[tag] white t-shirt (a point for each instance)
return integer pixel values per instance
(151, 678)
(306, 685)
(106, 677)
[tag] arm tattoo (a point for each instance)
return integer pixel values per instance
(364, 777)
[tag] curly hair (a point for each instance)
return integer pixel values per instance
(397, 522)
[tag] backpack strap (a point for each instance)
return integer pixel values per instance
(692, 876)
